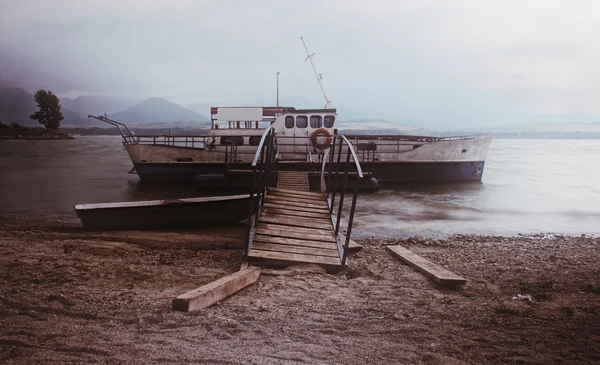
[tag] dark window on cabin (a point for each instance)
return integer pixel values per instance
(316, 121)
(255, 140)
(301, 121)
(289, 122)
(232, 140)
(329, 120)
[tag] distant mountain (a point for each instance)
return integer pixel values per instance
(157, 110)
(203, 108)
(372, 124)
(16, 105)
(97, 104)
(564, 118)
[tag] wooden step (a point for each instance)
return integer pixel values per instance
(326, 231)
(295, 221)
(277, 205)
(295, 235)
(295, 258)
(315, 194)
(322, 206)
(298, 196)
(295, 249)
(285, 198)
(295, 242)
(295, 213)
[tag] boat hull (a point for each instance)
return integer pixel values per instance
(393, 161)
(384, 172)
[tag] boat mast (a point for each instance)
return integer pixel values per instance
(309, 57)
(277, 112)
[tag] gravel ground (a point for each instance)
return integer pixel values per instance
(72, 296)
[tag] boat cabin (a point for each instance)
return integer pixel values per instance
(298, 130)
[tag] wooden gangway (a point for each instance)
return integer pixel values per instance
(295, 225)
(288, 223)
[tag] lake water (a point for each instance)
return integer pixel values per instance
(529, 186)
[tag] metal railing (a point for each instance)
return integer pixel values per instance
(264, 174)
(341, 145)
(128, 138)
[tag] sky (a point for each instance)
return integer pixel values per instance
(442, 64)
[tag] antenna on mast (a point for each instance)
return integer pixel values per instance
(309, 57)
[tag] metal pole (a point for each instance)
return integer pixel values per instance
(250, 213)
(350, 220)
(342, 193)
(337, 169)
(277, 112)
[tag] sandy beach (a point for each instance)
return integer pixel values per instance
(73, 296)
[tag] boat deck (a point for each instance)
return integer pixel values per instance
(295, 225)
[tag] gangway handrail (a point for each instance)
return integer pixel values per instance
(332, 187)
(264, 174)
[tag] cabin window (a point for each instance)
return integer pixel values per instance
(289, 122)
(232, 140)
(329, 120)
(254, 140)
(301, 121)
(316, 121)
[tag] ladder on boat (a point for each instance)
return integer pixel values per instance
(289, 224)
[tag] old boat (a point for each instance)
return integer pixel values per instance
(303, 136)
(225, 154)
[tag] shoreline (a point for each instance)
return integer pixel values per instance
(114, 290)
(37, 138)
(17, 131)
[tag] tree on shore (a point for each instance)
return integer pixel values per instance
(49, 114)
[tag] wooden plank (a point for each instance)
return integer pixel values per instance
(291, 183)
(300, 218)
(326, 232)
(295, 242)
(309, 193)
(431, 270)
(286, 199)
(296, 195)
(353, 246)
(322, 207)
(295, 257)
(295, 213)
(295, 222)
(295, 249)
(296, 235)
(275, 205)
(211, 293)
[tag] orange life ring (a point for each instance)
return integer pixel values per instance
(321, 132)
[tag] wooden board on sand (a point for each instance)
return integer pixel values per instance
(209, 294)
(431, 270)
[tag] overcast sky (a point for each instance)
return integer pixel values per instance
(434, 63)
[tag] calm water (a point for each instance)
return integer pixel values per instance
(529, 186)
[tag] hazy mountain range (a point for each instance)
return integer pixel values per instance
(16, 105)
